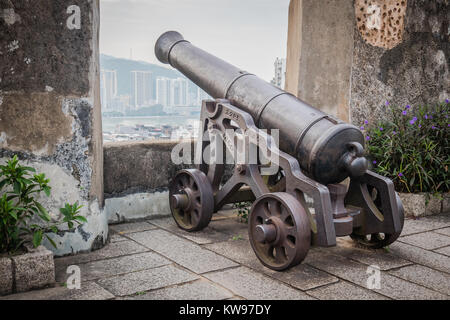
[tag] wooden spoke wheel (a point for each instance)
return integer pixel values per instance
(279, 230)
(381, 240)
(191, 199)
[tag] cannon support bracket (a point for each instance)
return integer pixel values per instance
(216, 116)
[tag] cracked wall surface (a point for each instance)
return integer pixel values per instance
(50, 108)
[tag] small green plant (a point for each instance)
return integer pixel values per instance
(243, 210)
(22, 218)
(235, 238)
(412, 148)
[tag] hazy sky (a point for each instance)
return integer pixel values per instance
(247, 33)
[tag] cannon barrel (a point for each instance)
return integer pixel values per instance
(328, 149)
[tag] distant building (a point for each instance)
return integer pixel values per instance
(141, 89)
(280, 73)
(201, 95)
(179, 92)
(163, 91)
(108, 88)
(120, 103)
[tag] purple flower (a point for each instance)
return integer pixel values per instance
(374, 162)
(448, 125)
(408, 106)
(420, 126)
(433, 127)
(394, 133)
(381, 128)
(446, 100)
(426, 117)
(387, 103)
(404, 113)
(400, 174)
(366, 122)
(362, 128)
(367, 138)
(413, 120)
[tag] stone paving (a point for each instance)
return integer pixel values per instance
(153, 260)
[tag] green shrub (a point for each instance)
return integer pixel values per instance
(243, 210)
(412, 147)
(22, 217)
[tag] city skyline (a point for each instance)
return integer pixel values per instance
(148, 90)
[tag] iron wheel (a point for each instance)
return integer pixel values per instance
(279, 230)
(191, 199)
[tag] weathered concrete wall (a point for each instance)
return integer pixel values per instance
(348, 57)
(136, 177)
(319, 66)
(50, 106)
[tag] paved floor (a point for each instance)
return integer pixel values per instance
(155, 260)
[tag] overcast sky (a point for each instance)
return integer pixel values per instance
(247, 33)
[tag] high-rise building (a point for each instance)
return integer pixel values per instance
(280, 73)
(108, 88)
(163, 91)
(121, 103)
(141, 88)
(201, 95)
(179, 92)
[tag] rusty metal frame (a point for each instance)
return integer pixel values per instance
(384, 218)
(296, 183)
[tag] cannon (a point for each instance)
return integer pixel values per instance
(319, 158)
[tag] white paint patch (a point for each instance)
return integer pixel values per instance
(3, 139)
(73, 242)
(440, 57)
(1, 98)
(13, 46)
(137, 206)
(9, 16)
(48, 89)
(27, 60)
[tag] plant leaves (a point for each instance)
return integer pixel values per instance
(81, 219)
(16, 187)
(45, 216)
(47, 191)
(51, 241)
(37, 238)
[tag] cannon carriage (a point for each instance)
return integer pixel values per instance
(317, 156)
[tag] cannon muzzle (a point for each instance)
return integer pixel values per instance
(327, 149)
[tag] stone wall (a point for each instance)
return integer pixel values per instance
(136, 177)
(50, 106)
(348, 57)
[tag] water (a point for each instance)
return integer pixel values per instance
(110, 124)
